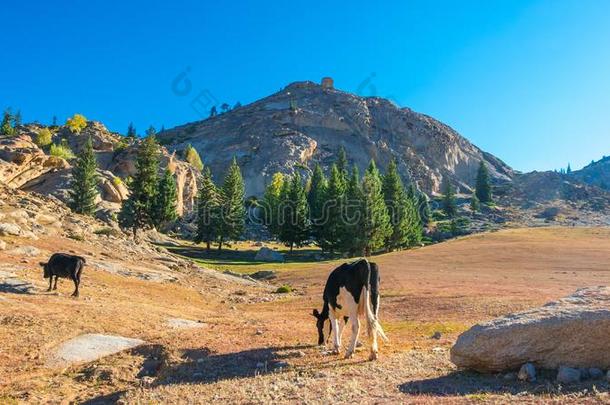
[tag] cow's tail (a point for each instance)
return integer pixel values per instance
(372, 323)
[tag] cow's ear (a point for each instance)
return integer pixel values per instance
(316, 313)
(42, 264)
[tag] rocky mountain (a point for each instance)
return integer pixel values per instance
(26, 166)
(596, 173)
(306, 123)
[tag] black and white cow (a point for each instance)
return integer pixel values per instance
(65, 266)
(352, 289)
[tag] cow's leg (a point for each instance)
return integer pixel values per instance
(76, 283)
(56, 278)
(50, 283)
(335, 333)
(353, 316)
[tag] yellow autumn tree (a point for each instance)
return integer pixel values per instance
(76, 123)
(192, 157)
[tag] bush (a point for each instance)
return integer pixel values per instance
(62, 150)
(77, 123)
(285, 289)
(120, 146)
(192, 157)
(117, 181)
(108, 232)
(43, 137)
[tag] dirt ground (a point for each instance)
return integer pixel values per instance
(259, 347)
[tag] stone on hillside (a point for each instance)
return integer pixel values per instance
(267, 255)
(2, 245)
(264, 275)
(572, 331)
(89, 347)
(595, 373)
(527, 372)
(9, 229)
(568, 375)
(27, 251)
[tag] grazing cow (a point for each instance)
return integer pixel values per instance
(352, 289)
(65, 266)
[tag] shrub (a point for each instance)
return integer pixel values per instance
(120, 146)
(62, 150)
(192, 157)
(107, 231)
(117, 181)
(77, 123)
(285, 289)
(43, 137)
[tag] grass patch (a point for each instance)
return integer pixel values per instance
(62, 151)
(285, 289)
(107, 231)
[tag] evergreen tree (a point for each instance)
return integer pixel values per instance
(213, 111)
(272, 204)
(331, 237)
(17, 119)
(483, 185)
(316, 198)
(376, 221)
(237, 105)
(424, 211)
(396, 201)
(342, 163)
(83, 191)
(165, 200)
(569, 169)
(54, 121)
(295, 227)
(151, 131)
(131, 131)
(5, 127)
(208, 211)
(225, 107)
(232, 203)
(137, 211)
(475, 205)
(354, 242)
(449, 203)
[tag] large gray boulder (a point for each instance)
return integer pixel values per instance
(573, 331)
(267, 255)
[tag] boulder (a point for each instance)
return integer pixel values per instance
(572, 331)
(2, 245)
(264, 275)
(595, 373)
(9, 229)
(568, 375)
(527, 372)
(267, 255)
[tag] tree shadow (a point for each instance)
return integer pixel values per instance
(15, 286)
(204, 366)
(245, 257)
(461, 383)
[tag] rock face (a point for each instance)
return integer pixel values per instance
(597, 173)
(306, 123)
(26, 166)
(571, 332)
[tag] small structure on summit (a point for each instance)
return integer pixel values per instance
(328, 83)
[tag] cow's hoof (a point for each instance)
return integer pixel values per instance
(373, 356)
(335, 352)
(349, 355)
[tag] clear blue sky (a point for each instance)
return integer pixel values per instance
(526, 80)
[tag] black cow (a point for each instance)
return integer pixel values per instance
(352, 289)
(65, 266)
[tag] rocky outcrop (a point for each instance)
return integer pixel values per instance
(26, 166)
(306, 123)
(596, 173)
(268, 255)
(571, 332)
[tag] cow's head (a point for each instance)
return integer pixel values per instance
(320, 320)
(45, 268)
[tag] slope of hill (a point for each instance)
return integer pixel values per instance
(596, 173)
(307, 123)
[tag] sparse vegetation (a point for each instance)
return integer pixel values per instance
(61, 150)
(108, 231)
(6, 127)
(44, 137)
(76, 123)
(284, 289)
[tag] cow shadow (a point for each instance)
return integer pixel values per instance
(202, 366)
(463, 383)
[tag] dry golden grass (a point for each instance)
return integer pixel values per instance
(445, 287)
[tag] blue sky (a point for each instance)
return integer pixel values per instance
(526, 80)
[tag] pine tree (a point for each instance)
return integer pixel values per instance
(165, 200)
(17, 119)
(131, 131)
(151, 131)
(54, 121)
(353, 241)
(331, 237)
(449, 203)
(376, 221)
(272, 204)
(396, 201)
(237, 105)
(83, 191)
(232, 203)
(137, 211)
(483, 185)
(295, 227)
(208, 211)
(213, 111)
(475, 205)
(342, 163)
(316, 198)
(5, 127)
(225, 107)
(424, 211)
(569, 169)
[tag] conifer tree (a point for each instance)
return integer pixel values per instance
(449, 203)
(353, 239)
(213, 111)
(232, 202)
(569, 169)
(272, 204)
(131, 131)
(151, 131)
(316, 198)
(423, 207)
(331, 238)
(208, 211)
(5, 127)
(483, 185)
(475, 205)
(17, 119)
(83, 191)
(376, 221)
(342, 163)
(295, 227)
(137, 211)
(164, 208)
